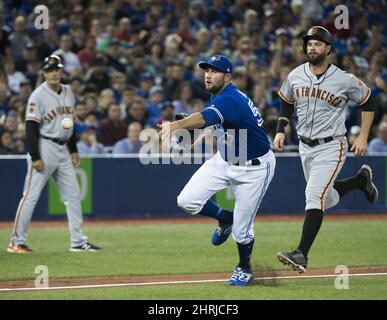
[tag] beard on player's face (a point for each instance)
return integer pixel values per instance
(316, 58)
(215, 83)
(216, 86)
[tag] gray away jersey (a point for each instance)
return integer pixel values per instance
(320, 104)
(49, 109)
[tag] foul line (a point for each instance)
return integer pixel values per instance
(131, 284)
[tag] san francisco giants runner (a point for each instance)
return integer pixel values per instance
(319, 92)
(52, 152)
(249, 172)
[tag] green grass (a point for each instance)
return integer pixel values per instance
(184, 248)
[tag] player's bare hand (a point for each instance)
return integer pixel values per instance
(359, 147)
(278, 142)
(38, 165)
(76, 160)
(166, 131)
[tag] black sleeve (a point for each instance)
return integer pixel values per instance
(286, 109)
(72, 144)
(370, 105)
(32, 139)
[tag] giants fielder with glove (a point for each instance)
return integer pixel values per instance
(249, 177)
(319, 92)
(52, 152)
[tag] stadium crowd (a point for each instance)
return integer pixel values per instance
(133, 63)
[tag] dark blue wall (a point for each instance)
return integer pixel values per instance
(123, 187)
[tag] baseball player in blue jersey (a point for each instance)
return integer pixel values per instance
(244, 161)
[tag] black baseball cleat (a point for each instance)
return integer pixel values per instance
(295, 259)
(87, 247)
(370, 191)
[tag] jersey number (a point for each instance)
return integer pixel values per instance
(253, 109)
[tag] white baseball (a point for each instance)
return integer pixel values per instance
(67, 123)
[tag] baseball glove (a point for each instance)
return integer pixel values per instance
(181, 115)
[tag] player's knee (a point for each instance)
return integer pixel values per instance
(241, 237)
(313, 201)
(186, 204)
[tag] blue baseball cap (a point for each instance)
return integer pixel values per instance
(217, 62)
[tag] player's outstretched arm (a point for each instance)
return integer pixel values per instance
(194, 121)
(360, 145)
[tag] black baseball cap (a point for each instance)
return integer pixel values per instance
(52, 62)
(217, 62)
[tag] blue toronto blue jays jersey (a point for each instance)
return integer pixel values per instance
(231, 112)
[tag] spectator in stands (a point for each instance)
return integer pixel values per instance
(32, 72)
(81, 112)
(124, 30)
(114, 56)
(112, 128)
(17, 105)
(6, 146)
(239, 78)
(106, 97)
(76, 84)
(137, 68)
(71, 61)
(183, 99)
(137, 112)
(19, 37)
(131, 144)
(197, 18)
(92, 121)
(154, 105)
(146, 83)
(5, 44)
(86, 56)
(118, 84)
(88, 144)
(237, 10)
(14, 78)
(379, 144)
(203, 42)
(98, 74)
(172, 83)
(29, 53)
(155, 58)
(218, 12)
(4, 100)
(11, 121)
(127, 97)
(167, 113)
(20, 139)
(25, 90)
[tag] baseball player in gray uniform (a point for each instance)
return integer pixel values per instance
(319, 92)
(52, 153)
